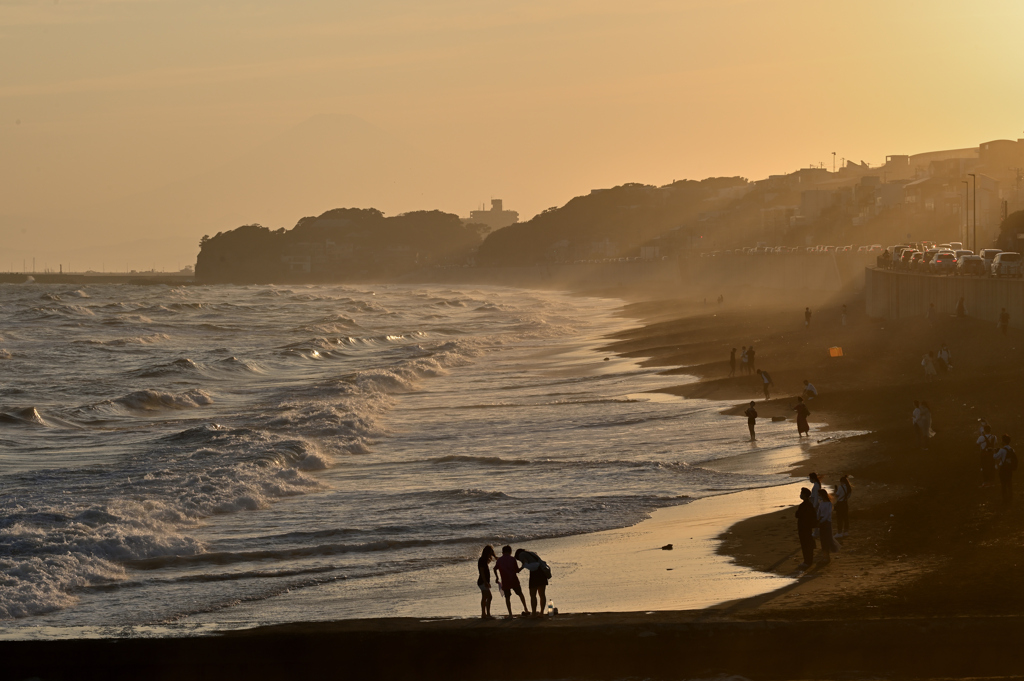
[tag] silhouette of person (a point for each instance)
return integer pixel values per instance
(751, 419)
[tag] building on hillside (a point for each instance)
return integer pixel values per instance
(495, 218)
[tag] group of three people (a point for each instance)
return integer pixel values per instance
(814, 516)
(506, 571)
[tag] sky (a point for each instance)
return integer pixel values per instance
(129, 128)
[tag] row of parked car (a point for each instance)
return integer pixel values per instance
(952, 258)
(814, 250)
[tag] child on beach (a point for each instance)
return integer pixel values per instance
(484, 581)
(751, 419)
(766, 380)
(506, 570)
(987, 448)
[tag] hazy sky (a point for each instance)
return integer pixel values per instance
(531, 101)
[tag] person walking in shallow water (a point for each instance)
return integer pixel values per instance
(751, 419)
(484, 581)
(806, 522)
(801, 418)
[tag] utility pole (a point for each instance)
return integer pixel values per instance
(833, 161)
(975, 209)
(967, 217)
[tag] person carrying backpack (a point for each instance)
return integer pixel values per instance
(540, 573)
(1006, 463)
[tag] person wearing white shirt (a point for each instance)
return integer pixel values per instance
(810, 392)
(828, 544)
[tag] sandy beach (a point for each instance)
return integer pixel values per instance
(919, 589)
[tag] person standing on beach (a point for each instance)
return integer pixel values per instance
(807, 316)
(766, 381)
(842, 508)
(801, 418)
(815, 497)
(484, 581)
(538, 578)
(506, 569)
(1006, 464)
(744, 359)
(987, 446)
(732, 363)
(928, 362)
(806, 521)
(828, 544)
(750, 357)
(751, 419)
(924, 425)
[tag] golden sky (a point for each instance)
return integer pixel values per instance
(157, 121)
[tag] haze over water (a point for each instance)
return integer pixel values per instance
(171, 451)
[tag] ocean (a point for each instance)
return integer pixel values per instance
(170, 452)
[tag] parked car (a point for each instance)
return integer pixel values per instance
(989, 254)
(956, 246)
(1006, 264)
(970, 265)
(944, 262)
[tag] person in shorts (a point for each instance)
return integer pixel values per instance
(506, 569)
(538, 579)
(484, 581)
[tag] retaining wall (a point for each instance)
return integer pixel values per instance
(899, 295)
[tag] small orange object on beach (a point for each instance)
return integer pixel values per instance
(835, 352)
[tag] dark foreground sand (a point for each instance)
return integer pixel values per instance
(927, 586)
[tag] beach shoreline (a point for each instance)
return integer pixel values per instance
(915, 591)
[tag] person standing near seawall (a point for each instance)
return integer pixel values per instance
(751, 419)
(806, 521)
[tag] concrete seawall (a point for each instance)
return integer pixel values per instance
(899, 295)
